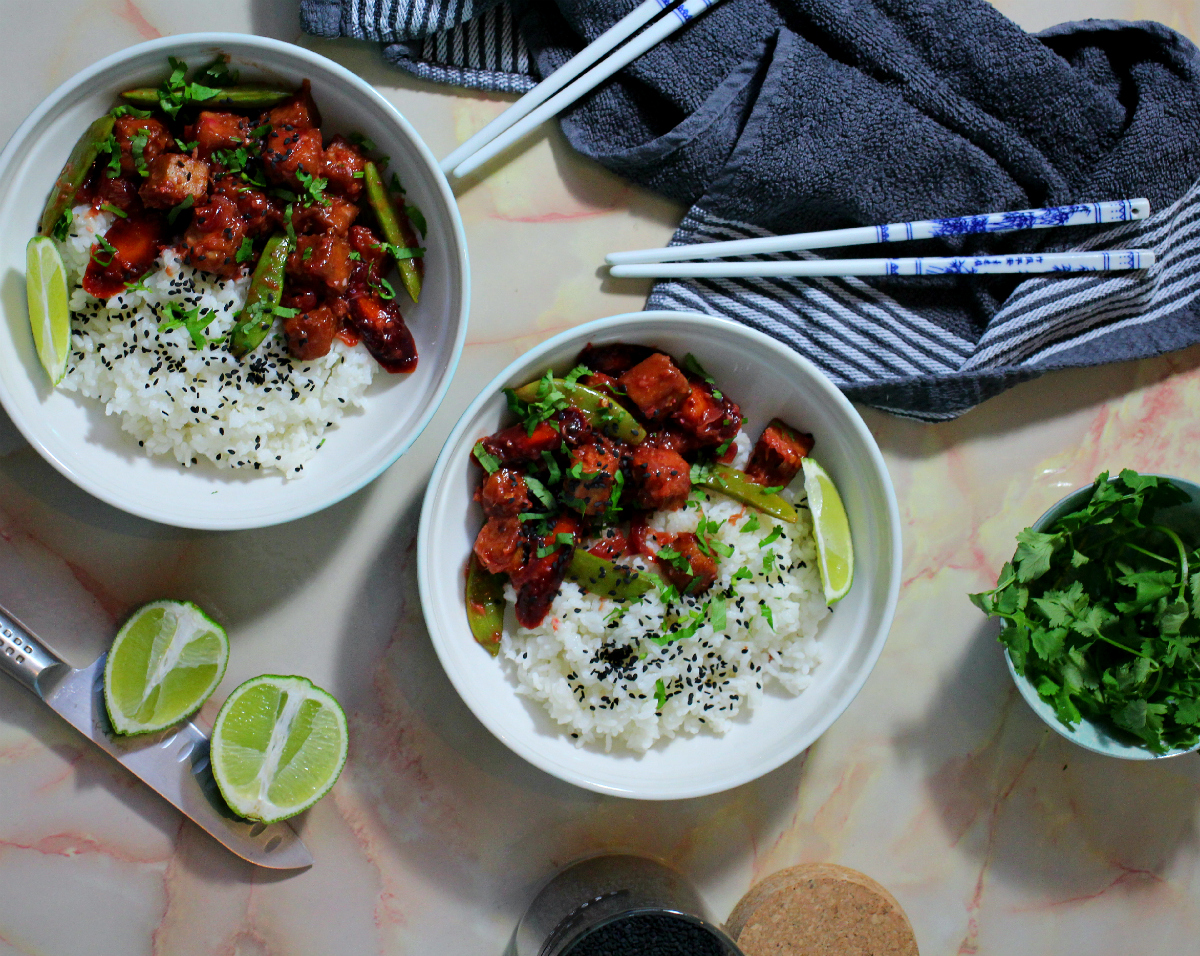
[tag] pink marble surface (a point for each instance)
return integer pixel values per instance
(995, 834)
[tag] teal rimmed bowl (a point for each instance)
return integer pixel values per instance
(1089, 734)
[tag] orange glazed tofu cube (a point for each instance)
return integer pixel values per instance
(778, 455)
(656, 386)
(173, 177)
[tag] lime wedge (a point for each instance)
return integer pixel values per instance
(49, 317)
(166, 661)
(835, 552)
(278, 746)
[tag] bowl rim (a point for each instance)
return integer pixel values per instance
(1127, 751)
(875, 648)
(253, 42)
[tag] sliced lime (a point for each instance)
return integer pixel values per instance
(49, 317)
(835, 551)
(278, 746)
(166, 661)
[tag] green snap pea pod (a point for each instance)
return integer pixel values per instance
(238, 97)
(397, 230)
(266, 289)
(485, 605)
(602, 413)
(75, 171)
(738, 485)
(598, 576)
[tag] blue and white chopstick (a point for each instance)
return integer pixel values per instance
(1121, 210)
(609, 39)
(1117, 260)
(651, 36)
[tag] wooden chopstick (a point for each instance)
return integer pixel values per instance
(1114, 260)
(651, 36)
(610, 38)
(1120, 210)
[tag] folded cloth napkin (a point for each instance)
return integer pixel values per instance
(779, 116)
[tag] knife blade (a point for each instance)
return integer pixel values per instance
(172, 762)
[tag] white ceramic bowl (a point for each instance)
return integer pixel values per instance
(767, 379)
(73, 433)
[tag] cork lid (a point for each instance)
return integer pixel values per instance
(820, 909)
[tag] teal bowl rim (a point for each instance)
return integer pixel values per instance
(1089, 734)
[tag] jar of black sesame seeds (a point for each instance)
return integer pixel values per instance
(619, 906)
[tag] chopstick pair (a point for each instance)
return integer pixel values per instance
(557, 91)
(666, 263)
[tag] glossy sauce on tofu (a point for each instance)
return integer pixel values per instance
(563, 477)
(216, 184)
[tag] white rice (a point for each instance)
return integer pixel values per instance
(596, 670)
(267, 411)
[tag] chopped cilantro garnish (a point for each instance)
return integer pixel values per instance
(417, 218)
(766, 612)
(751, 522)
(123, 110)
(565, 537)
(187, 203)
(716, 613)
(192, 321)
(109, 207)
(772, 537)
(491, 464)
(105, 246)
(245, 251)
(307, 253)
(354, 256)
(578, 372)
(176, 93)
(555, 473)
(660, 693)
(773, 489)
(137, 147)
(217, 73)
(692, 364)
(186, 147)
(359, 140)
(741, 574)
(769, 560)
(539, 491)
(403, 252)
(62, 226)
(384, 289)
(260, 131)
(314, 186)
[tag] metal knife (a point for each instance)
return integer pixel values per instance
(173, 762)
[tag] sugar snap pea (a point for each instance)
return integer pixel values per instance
(738, 485)
(236, 97)
(485, 605)
(397, 229)
(266, 289)
(599, 576)
(75, 171)
(602, 413)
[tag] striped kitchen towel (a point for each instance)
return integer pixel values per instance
(778, 116)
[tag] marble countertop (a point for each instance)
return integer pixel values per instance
(995, 834)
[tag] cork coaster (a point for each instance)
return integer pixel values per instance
(820, 909)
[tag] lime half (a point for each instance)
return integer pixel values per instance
(166, 661)
(49, 317)
(278, 746)
(835, 552)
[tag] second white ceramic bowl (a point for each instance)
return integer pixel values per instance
(767, 379)
(74, 435)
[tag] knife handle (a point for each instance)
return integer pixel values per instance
(23, 657)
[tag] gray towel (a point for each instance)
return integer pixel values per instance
(778, 116)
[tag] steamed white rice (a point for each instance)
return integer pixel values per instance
(594, 666)
(265, 412)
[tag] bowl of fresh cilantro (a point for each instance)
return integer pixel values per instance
(1100, 616)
